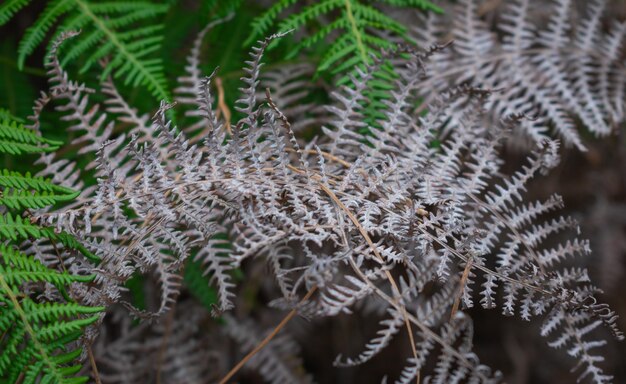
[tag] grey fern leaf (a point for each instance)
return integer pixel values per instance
(189, 90)
(291, 88)
(565, 71)
(347, 218)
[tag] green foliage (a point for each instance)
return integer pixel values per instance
(26, 191)
(16, 227)
(361, 32)
(218, 9)
(358, 24)
(6, 115)
(15, 139)
(115, 31)
(199, 285)
(16, 86)
(39, 334)
(9, 8)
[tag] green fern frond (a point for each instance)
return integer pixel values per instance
(15, 199)
(358, 22)
(25, 191)
(15, 139)
(69, 242)
(10, 8)
(14, 227)
(422, 4)
(36, 34)
(11, 179)
(110, 31)
(36, 334)
(360, 26)
(26, 268)
(262, 24)
(6, 115)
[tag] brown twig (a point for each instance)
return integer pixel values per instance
(221, 104)
(267, 338)
(464, 277)
(94, 367)
(164, 342)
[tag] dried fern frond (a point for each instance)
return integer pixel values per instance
(348, 217)
(563, 70)
(278, 362)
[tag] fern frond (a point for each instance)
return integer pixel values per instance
(565, 70)
(9, 8)
(15, 227)
(291, 88)
(215, 265)
(25, 191)
(384, 336)
(191, 85)
(278, 362)
(39, 331)
(184, 350)
(25, 199)
(261, 25)
(574, 330)
(15, 139)
(36, 334)
(357, 24)
(37, 33)
(415, 200)
(109, 31)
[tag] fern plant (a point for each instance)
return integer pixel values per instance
(40, 323)
(398, 219)
(345, 223)
(360, 27)
(561, 72)
(359, 30)
(17, 140)
(110, 34)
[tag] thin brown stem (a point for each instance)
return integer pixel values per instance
(267, 339)
(457, 299)
(94, 367)
(164, 342)
(221, 104)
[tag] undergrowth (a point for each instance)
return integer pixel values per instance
(173, 206)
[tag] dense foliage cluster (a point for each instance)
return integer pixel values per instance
(370, 181)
